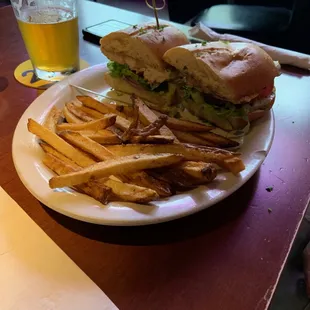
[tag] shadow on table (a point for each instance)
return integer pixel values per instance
(173, 231)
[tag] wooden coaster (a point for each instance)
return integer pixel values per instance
(24, 74)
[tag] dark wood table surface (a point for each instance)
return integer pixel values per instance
(227, 257)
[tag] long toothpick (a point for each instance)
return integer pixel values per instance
(155, 9)
(155, 13)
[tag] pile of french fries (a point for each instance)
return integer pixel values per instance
(115, 152)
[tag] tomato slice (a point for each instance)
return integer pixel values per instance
(266, 91)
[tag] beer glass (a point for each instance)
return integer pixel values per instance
(50, 32)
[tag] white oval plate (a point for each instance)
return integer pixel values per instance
(27, 157)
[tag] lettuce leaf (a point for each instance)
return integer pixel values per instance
(118, 70)
(225, 110)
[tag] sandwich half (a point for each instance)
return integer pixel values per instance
(226, 84)
(136, 64)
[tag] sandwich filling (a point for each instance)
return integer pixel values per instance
(137, 80)
(224, 114)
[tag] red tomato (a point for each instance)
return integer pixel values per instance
(266, 91)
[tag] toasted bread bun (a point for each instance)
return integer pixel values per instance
(141, 47)
(158, 100)
(235, 72)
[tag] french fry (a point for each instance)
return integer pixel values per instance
(146, 131)
(190, 152)
(52, 119)
(93, 188)
(59, 144)
(86, 144)
(163, 189)
(125, 109)
(122, 123)
(70, 117)
(217, 140)
(201, 172)
(147, 116)
(186, 150)
(234, 165)
(128, 133)
(188, 137)
(93, 104)
(131, 192)
(50, 150)
(125, 165)
(157, 139)
(95, 125)
(103, 136)
(79, 113)
(115, 130)
(100, 152)
(183, 125)
(186, 174)
(102, 107)
(93, 113)
(99, 189)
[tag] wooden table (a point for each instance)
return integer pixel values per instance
(227, 257)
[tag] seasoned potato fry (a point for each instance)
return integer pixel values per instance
(201, 172)
(188, 137)
(79, 113)
(128, 133)
(183, 125)
(131, 192)
(122, 123)
(125, 109)
(59, 144)
(147, 116)
(50, 150)
(114, 166)
(102, 188)
(93, 188)
(91, 112)
(141, 178)
(234, 165)
(70, 117)
(93, 104)
(181, 180)
(102, 107)
(217, 140)
(144, 179)
(103, 136)
(52, 119)
(157, 139)
(100, 152)
(107, 121)
(186, 150)
(144, 132)
(87, 145)
(190, 152)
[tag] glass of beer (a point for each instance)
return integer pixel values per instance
(50, 32)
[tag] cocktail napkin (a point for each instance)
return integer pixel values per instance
(35, 272)
(283, 56)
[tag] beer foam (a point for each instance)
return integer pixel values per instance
(48, 15)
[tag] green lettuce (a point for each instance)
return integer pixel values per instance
(225, 110)
(118, 70)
